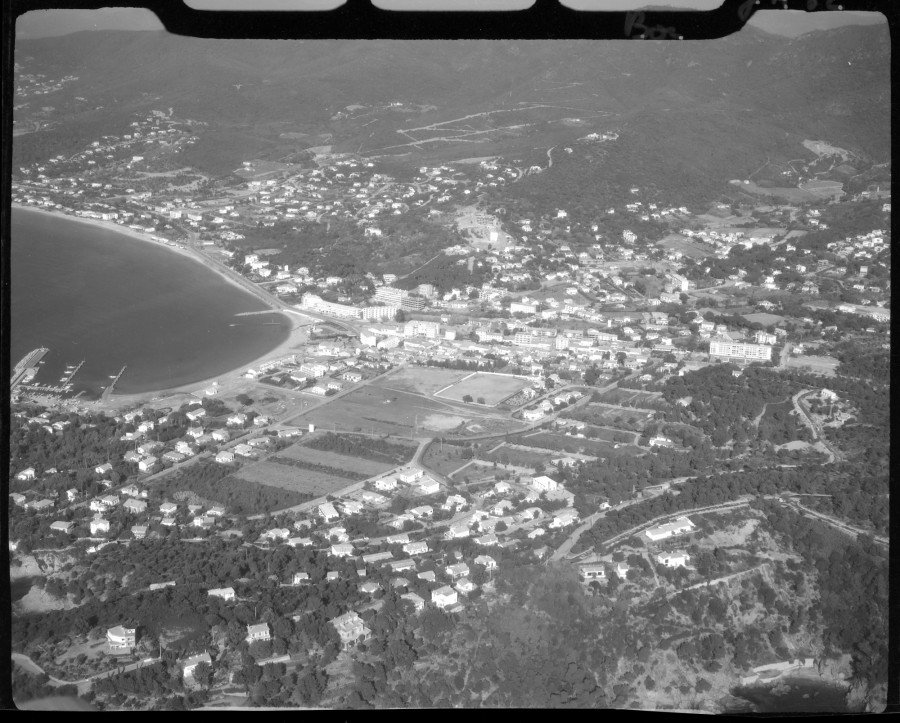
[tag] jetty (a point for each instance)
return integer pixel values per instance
(109, 390)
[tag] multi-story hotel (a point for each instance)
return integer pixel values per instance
(739, 350)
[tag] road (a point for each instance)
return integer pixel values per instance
(85, 683)
(836, 524)
(564, 549)
(817, 436)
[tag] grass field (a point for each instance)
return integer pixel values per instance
(816, 364)
(421, 380)
(494, 388)
(272, 474)
(377, 410)
(685, 245)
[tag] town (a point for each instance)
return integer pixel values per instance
(639, 402)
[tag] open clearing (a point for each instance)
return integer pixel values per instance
(817, 364)
(293, 478)
(493, 388)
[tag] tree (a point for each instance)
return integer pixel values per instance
(467, 398)
(400, 316)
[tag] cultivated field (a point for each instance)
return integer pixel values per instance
(605, 416)
(366, 467)
(421, 380)
(293, 478)
(630, 397)
(561, 443)
(494, 388)
(514, 455)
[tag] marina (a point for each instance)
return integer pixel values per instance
(26, 369)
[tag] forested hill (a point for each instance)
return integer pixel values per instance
(831, 85)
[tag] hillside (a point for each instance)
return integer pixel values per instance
(727, 103)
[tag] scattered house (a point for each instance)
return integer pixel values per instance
(40, 505)
(99, 524)
(401, 565)
(564, 518)
(351, 629)
(458, 570)
(545, 484)
(592, 571)
(135, 506)
(259, 631)
(622, 569)
(536, 532)
(26, 475)
(121, 639)
(72, 494)
(427, 576)
(190, 664)
(444, 596)
(148, 464)
(100, 469)
(499, 509)
(332, 576)
(416, 548)
(487, 540)
(386, 484)
(673, 559)
(328, 512)
(429, 486)
(276, 534)
(299, 578)
(410, 476)
(352, 507)
(139, 531)
(453, 502)
(679, 526)
(489, 562)
(422, 511)
(203, 522)
(417, 601)
(216, 511)
(226, 593)
(457, 531)
(17, 499)
(370, 588)
(300, 541)
(374, 557)
(62, 526)
(465, 585)
(401, 539)
(225, 457)
(344, 549)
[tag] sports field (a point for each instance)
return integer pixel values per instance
(421, 380)
(493, 388)
(377, 410)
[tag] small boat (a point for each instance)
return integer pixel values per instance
(112, 376)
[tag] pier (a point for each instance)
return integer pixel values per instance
(68, 376)
(109, 390)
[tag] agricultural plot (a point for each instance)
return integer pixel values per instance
(603, 415)
(295, 479)
(493, 388)
(365, 467)
(560, 443)
(631, 398)
(518, 457)
(687, 246)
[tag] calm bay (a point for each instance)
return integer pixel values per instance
(92, 294)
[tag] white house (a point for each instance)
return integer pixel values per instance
(258, 632)
(545, 484)
(99, 524)
(121, 639)
(592, 571)
(673, 559)
(226, 593)
(328, 512)
(489, 562)
(444, 596)
(564, 518)
(416, 548)
(190, 664)
(679, 526)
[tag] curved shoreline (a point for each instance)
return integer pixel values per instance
(295, 339)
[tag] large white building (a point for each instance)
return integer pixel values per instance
(680, 526)
(739, 350)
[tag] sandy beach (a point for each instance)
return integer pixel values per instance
(226, 381)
